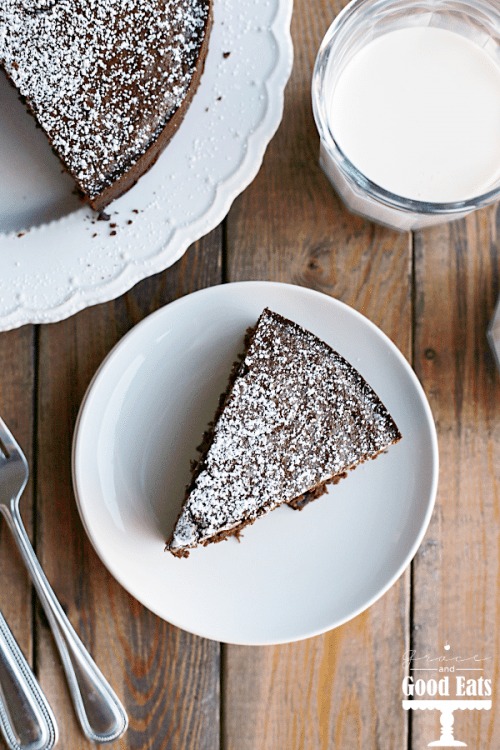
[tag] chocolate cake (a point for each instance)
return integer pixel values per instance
(109, 81)
(295, 417)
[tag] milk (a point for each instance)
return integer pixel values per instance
(417, 111)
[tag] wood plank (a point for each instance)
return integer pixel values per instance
(168, 679)
(16, 408)
(334, 691)
(457, 583)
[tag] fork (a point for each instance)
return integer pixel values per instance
(26, 719)
(100, 713)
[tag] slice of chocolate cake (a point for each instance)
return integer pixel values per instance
(296, 416)
(109, 81)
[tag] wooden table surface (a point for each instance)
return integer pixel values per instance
(433, 293)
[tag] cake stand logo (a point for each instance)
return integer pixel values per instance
(446, 683)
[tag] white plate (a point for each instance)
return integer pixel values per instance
(294, 574)
(57, 266)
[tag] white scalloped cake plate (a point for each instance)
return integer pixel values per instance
(294, 574)
(57, 259)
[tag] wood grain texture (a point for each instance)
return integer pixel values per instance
(334, 691)
(457, 570)
(16, 408)
(167, 679)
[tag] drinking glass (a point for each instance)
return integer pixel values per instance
(358, 24)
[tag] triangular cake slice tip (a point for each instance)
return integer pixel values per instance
(295, 417)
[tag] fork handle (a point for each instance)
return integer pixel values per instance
(101, 715)
(26, 719)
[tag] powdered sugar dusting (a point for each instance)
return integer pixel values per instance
(297, 415)
(103, 77)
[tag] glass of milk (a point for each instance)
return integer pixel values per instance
(406, 98)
